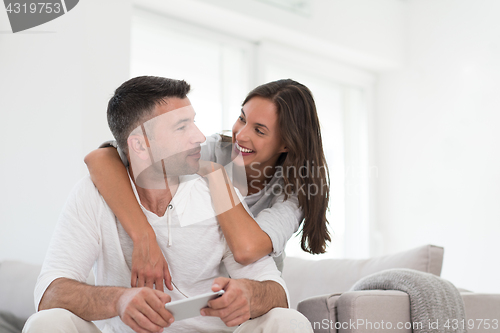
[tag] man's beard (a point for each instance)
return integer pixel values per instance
(153, 177)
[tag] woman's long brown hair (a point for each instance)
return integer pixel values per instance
(304, 165)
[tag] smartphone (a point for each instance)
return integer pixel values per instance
(190, 307)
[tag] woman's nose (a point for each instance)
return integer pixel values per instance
(242, 134)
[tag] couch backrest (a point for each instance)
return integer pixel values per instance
(304, 278)
(17, 285)
(308, 278)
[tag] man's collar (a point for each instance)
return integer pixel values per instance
(180, 199)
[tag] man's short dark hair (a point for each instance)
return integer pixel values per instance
(134, 101)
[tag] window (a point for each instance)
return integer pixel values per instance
(341, 94)
(223, 69)
(216, 66)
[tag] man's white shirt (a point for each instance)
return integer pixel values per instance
(89, 236)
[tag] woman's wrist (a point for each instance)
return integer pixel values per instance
(207, 168)
(214, 174)
(143, 235)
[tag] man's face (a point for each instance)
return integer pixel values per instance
(172, 140)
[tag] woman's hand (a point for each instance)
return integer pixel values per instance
(149, 266)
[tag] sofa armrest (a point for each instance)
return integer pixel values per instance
(389, 311)
(482, 312)
(321, 312)
(374, 310)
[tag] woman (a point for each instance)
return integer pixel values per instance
(278, 139)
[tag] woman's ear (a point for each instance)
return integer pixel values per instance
(137, 146)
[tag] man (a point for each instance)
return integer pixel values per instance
(153, 122)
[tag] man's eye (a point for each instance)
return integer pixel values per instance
(181, 128)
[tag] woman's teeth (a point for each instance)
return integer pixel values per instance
(243, 150)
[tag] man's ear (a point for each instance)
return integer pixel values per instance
(137, 146)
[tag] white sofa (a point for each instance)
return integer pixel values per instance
(319, 289)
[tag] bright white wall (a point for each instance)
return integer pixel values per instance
(438, 140)
(368, 27)
(435, 119)
(55, 81)
(364, 33)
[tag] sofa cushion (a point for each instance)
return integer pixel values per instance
(308, 278)
(17, 286)
(17, 283)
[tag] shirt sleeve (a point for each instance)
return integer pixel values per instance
(280, 221)
(75, 244)
(263, 269)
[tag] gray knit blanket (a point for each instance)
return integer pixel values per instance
(434, 302)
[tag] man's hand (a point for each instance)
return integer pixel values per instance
(149, 266)
(244, 299)
(143, 309)
(234, 306)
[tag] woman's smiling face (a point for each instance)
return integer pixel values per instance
(256, 134)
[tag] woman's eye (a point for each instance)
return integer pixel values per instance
(181, 128)
(259, 131)
(241, 118)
